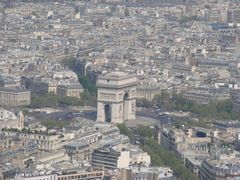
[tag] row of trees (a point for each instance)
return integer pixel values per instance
(142, 131)
(88, 85)
(159, 156)
(25, 130)
(52, 100)
(216, 110)
(219, 110)
(186, 19)
(90, 91)
(50, 123)
(162, 99)
(124, 130)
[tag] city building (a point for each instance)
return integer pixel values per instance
(110, 159)
(78, 150)
(28, 176)
(86, 174)
(14, 97)
(8, 82)
(61, 87)
(70, 91)
(91, 174)
(220, 167)
(51, 158)
(235, 99)
(182, 69)
(10, 119)
(205, 96)
(189, 143)
(152, 173)
(148, 91)
(43, 86)
(44, 141)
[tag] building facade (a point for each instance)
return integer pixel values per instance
(235, 99)
(78, 150)
(86, 175)
(70, 91)
(186, 143)
(147, 91)
(14, 97)
(36, 177)
(220, 167)
(204, 96)
(110, 159)
(10, 119)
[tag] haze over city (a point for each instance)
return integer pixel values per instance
(120, 89)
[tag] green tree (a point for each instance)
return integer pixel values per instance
(159, 156)
(50, 123)
(144, 131)
(185, 19)
(69, 62)
(124, 130)
(168, 158)
(88, 85)
(220, 110)
(144, 103)
(161, 99)
(52, 100)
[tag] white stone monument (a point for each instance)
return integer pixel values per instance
(116, 97)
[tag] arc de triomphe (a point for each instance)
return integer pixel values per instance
(116, 97)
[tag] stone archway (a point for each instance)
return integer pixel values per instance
(108, 113)
(125, 106)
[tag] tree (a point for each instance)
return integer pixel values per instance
(185, 19)
(52, 100)
(144, 131)
(124, 130)
(144, 103)
(157, 100)
(159, 156)
(220, 110)
(50, 123)
(69, 62)
(161, 99)
(87, 84)
(168, 158)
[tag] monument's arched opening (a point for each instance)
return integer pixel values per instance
(125, 106)
(108, 113)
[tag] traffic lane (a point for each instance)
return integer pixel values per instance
(164, 119)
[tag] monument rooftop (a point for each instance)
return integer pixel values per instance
(117, 80)
(116, 75)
